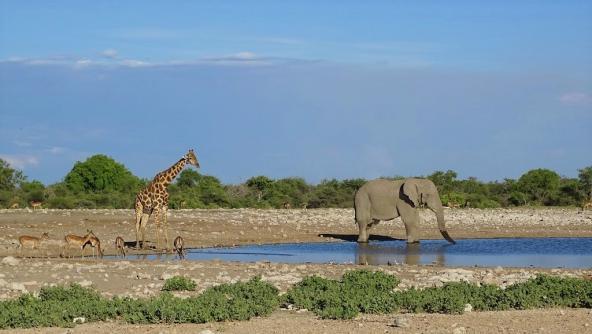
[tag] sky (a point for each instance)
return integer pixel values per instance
(312, 89)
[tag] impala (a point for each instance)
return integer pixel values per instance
(178, 244)
(33, 242)
(73, 240)
(120, 245)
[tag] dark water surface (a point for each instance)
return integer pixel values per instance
(505, 252)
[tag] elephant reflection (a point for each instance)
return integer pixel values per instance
(410, 254)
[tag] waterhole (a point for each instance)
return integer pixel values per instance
(505, 252)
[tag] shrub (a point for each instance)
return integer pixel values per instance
(179, 283)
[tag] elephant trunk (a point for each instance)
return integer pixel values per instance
(439, 211)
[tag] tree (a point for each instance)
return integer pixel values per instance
(585, 179)
(444, 181)
(540, 185)
(101, 174)
(10, 178)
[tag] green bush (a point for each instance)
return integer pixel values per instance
(359, 291)
(179, 283)
(367, 292)
(58, 306)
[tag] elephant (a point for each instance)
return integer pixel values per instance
(382, 199)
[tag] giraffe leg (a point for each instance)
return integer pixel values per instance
(139, 210)
(166, 228)
(158, 226)
(143, 223)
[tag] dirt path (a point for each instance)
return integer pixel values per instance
(202, 228)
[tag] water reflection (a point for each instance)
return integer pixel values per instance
(401, 253)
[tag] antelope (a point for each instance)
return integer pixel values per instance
(120, 245)
(34, 242)
(94, 242)
(78, 241)
(36, 204)
(453, 205)
(178, 244)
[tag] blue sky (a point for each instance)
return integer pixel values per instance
(315, 89)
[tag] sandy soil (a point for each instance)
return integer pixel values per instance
(203, 228)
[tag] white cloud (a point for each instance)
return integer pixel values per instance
(243, 58)
(576, 99)
(20, 161)
(109, 53)
(56, 150)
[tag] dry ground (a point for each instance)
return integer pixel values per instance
(202, 228)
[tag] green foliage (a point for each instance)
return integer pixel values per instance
(58, 306)
(9, 178)
(585, 181)
(367, 292)
(359, 291)
(100, 182)
(101, 174)
(178, 283)
(539, 185)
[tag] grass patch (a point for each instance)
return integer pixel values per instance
(179, 283)
(367, 292)
(58, 306)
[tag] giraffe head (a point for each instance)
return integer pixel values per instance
(191, 159)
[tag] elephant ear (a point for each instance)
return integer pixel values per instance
(411, 191)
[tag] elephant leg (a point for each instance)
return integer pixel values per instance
(363, 225)
(410, 217)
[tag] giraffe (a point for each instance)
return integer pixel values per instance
(153, 200)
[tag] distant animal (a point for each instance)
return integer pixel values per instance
(153, 200)
(94, 242)
(72, 240)
(120, 245)
(30, 241)
(36, 204)
(304, 206)
(452, 205)
(179, 246)
(587, 205)
(14, 206)
(287, 205)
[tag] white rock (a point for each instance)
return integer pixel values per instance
(11, 261)
(79, 320)
(468, 308)
(459, 330)
(85, 283)
(17, 286)
(206, 331)
(401, 322)
(166, 276)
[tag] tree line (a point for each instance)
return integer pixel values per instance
(102, 182)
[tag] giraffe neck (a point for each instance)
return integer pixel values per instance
(165, 177)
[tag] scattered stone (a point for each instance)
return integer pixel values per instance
(17, 287)
(10, 261)
(79, 320)
(468, 308)
(85, 283)
(459, 330)
(401, 322)
(166, 276)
